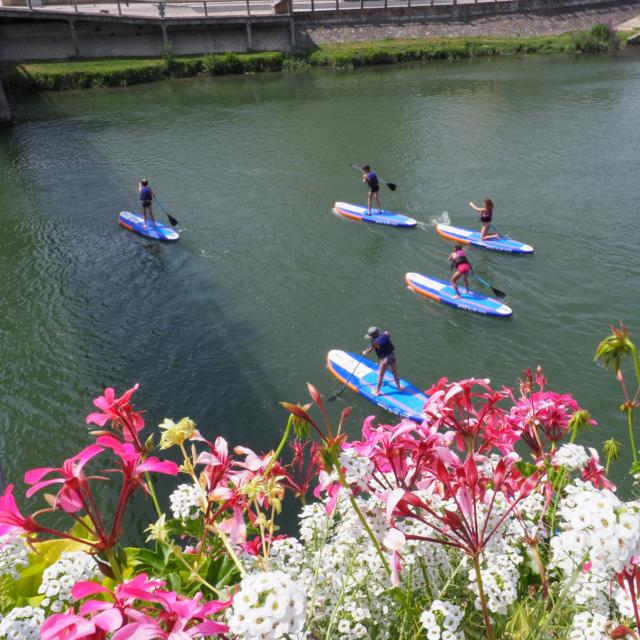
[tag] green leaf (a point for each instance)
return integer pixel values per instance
(525, 468)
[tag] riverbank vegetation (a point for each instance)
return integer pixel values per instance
(487, 520)
(83, 74)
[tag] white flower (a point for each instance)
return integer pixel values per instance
(59, 578)
(572, 456)
(22, 623)
(186, 501)
(268, 606)
(13, 555)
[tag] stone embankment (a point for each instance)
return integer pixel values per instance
(526, 24)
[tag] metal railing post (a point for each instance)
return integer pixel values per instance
(409, 6)
(248, 8)
(337, 5)
(206, 11)
(385, 5)
(313, 6)
(361, 5)
(29, 6)
(119, 8)
(75, 6)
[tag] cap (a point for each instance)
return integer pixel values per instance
(372, 332)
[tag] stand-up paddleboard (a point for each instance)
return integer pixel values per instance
(467, 236)
(356, 212)
(158, 231)
(361, 376)
(442, 291)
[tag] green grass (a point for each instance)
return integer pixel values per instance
(118, 72)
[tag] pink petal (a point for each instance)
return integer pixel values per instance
(97, 418)
(108, 620)
(84, 589)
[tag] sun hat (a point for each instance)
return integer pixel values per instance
(372, 333)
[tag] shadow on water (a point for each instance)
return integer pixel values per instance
(122, 309)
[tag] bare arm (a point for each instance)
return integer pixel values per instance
(473, 206)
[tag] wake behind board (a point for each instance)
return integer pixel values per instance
(389, 218)
(467, 236)
(158, 231)
(408, 403)
(442, 291)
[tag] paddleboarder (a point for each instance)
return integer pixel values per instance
(371, 180)
(381, 343)
(486, 215)
(462, 266)
(146, 197)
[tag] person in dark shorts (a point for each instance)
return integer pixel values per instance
(371, 180)
(381, 343)
(486, 215)
(146, 197)
(460, 263)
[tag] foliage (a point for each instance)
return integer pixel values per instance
(480, 522)
(117, 72)
(601, 37)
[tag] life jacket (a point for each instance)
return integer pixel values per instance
(383, 346)
(459, 258)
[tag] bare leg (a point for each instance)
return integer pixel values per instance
(144, 213)
(454, 282)
(153, 220)
(395, 376)
(466, 282)
(484, 233)
(369, 198)
(381, 372)
(378, 201)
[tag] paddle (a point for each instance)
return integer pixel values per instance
(497, 292)
(391, 185)
(172, 220)
(333, 396)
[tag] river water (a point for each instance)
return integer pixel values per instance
(265, 279)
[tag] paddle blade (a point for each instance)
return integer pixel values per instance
(392, 186)
(498, 293)
(172, 220)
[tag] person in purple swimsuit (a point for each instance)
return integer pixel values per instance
(371, 180)
(146, 197)
(486, 215)
(381, 343)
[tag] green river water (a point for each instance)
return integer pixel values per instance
(265, 279)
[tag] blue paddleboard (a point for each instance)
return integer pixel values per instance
(158, 231)
(389, 218)
(472, 238)
(361, 376)
(442, 291)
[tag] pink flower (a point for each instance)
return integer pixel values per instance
(594, 472)
(119, 411)
(11, 520)
(74, 483)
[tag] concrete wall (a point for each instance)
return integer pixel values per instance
(5, 116)
(40, 38)
(52, 39)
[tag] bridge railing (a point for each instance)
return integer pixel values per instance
(195, 9)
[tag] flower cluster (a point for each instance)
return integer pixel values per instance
(268, 606)
(13, 555)
(442, 621)
(59, 578)
(22, 623)
(186, 501)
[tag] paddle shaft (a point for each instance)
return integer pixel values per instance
(345, 385)
(172, 220)
(497, 292)
(391, 185)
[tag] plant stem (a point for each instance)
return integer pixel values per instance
(230, 551)
(276, 455)
(152, 491)
(113, 563)
(363, 520)
(483, 601)
(630, 429)
(541, 570)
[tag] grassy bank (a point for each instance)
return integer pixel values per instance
(82, 74)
